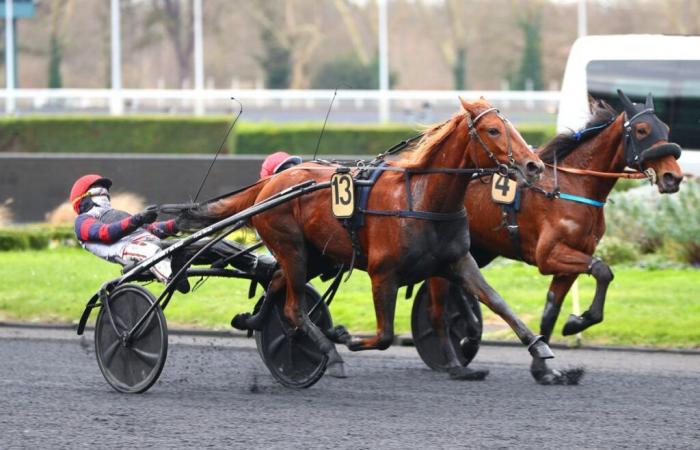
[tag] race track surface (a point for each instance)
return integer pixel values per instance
(217, 392)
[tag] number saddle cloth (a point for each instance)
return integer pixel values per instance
(510, 206)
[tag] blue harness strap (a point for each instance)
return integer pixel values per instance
(584, 200)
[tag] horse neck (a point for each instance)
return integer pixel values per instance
(444, 192)
(603, 153)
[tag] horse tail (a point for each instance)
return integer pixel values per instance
(201, 215)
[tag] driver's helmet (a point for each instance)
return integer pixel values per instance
(81, 188)
(277, 162)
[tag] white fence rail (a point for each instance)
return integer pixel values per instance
(363, 105)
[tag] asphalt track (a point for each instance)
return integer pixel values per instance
(217, 393)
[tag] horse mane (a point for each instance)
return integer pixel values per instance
(563, 144)
(433, 136)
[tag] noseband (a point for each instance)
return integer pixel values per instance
(503, 169)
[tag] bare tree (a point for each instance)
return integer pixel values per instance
(60, 14)
(352, 28)
(283, 31)
(176, 17)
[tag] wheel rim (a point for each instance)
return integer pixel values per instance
(132, 367)
(426, 339)
(291, 356)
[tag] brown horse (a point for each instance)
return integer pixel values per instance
(395, 248)
(560, 236)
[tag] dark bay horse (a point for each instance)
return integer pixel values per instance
(395, 250)
(560, 236)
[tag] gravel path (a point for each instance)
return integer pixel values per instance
(217, 392)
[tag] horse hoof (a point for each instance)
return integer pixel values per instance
(354, 344)
(339, 334)
(540, 349)
(553, 377)
(465, 373)
(240, 321)
(575, 324)
(336, 369)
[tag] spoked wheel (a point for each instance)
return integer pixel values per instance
(130, 366)
(464, 332)
(290, 355)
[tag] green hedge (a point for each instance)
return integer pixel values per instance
(133, 134)
(36, 237)
(158, 134)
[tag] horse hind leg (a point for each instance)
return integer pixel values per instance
(293, 264)
(466, 272)
(543, 374)
(438, 293)
(603, 276)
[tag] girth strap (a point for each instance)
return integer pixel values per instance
(422, 215)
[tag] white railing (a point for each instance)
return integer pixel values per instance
(189, 101)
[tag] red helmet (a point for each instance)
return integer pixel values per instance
(275, 161)
(81, 186)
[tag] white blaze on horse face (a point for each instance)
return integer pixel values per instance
(570, 225)
(515, 135)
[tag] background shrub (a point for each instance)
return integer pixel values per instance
(614, 250)
(669, 224)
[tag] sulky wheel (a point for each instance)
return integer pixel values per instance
(130, 365)
(464, 332)
(290, 355)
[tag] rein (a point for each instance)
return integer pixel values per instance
(627, 175)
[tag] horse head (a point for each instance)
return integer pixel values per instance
(495, 141)
(646, 144)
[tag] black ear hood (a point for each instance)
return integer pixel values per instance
(627, 104)
(638, 151)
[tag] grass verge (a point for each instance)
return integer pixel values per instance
(659, 308)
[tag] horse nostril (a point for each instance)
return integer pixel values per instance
(671, 180)
(534, 168)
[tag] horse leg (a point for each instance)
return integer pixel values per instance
(384, 288)
(541, 373)
(438, 291)
(603, 276)
(293, 264)
(254, 321)
(562, 259)
(466, 272)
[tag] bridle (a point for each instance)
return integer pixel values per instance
(502, 168)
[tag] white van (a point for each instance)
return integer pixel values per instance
(666, 66)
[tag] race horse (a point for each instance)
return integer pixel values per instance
(414, 227)
(560, 220)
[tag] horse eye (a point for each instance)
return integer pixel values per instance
(493, 132)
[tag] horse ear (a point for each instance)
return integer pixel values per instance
(626, 102)
(591, 103)
(649, 102)
(465, 104)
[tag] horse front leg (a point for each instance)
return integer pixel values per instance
(384, 288)
(558, 289)
(438, 292)
(603, 276)
(467, 273)
(561, 259)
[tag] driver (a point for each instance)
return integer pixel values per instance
(117, 236)
(277, 162)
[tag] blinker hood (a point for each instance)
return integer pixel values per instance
(638, 151)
